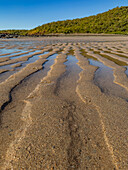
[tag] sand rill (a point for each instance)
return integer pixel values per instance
(64, 103)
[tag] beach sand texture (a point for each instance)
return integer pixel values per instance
(64, 103)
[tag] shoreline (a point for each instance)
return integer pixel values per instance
(56, 117)
(11, 36)
(71, 38)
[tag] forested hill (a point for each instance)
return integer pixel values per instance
(114, 21)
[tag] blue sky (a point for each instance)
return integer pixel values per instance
(27, 14)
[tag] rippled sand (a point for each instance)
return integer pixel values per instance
(64, 103)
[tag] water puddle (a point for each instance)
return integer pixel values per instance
(30, 82)
(45, 68)
(104, 80)
(50, 61)
(72, 65)
(9, 54)
(24, 63)
(21, 55)
(72, 68)
(68, 81)
(4, 50)
(126, 72)
(15, 46)
(40, 74)
(10, 66)
(32, 60)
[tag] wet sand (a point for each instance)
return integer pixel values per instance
(62, 108)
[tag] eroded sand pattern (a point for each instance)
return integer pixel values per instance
(64, 103)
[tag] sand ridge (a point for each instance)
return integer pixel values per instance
(64, 121)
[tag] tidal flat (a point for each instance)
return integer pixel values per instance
(64, 103)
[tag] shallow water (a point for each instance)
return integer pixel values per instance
(4, 50)
(71, 63)
(126, 72)
(72, 66)
(41, 73)
(23, 46)
(68, 79)
(8, 67)
(29, 53)
(50, 61)
(32, 60)
(36, 77)
(104, 78)
(24, 63)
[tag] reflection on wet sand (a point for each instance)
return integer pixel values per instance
(64, 103)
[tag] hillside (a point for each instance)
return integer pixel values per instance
(114, 21)
(15, 32)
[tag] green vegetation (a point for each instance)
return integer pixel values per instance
(86, 55)
(70, 52)
(50, 50)
(114, 21)
(123, 56)
(15, 32)
(60, 51)
(116, 61)
(119, 51)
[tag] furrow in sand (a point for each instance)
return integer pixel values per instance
(7, 86)
(11, 67)
(2, 47)
(19, 135)
(60, 130)
(5, 54)
(112, 113)
(120, 51)
(110, 148)
(11, 112)
(22, 58)
(114, 56)
(11, 56)
(120, 77)
(11, 46)
(11, 155)
(76, 148)
(59, 136)
(103, 78)
(122, 58)
(86, 100)
(117, 55)
(58, 63)
(20, 65)
(3, 59)
(84, 64)
(72, 118)
(67, 96)
(3, 70)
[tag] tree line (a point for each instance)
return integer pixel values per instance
(114, 21)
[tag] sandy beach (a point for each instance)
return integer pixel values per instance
(64, 103)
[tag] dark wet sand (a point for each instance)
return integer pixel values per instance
(61, 110)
